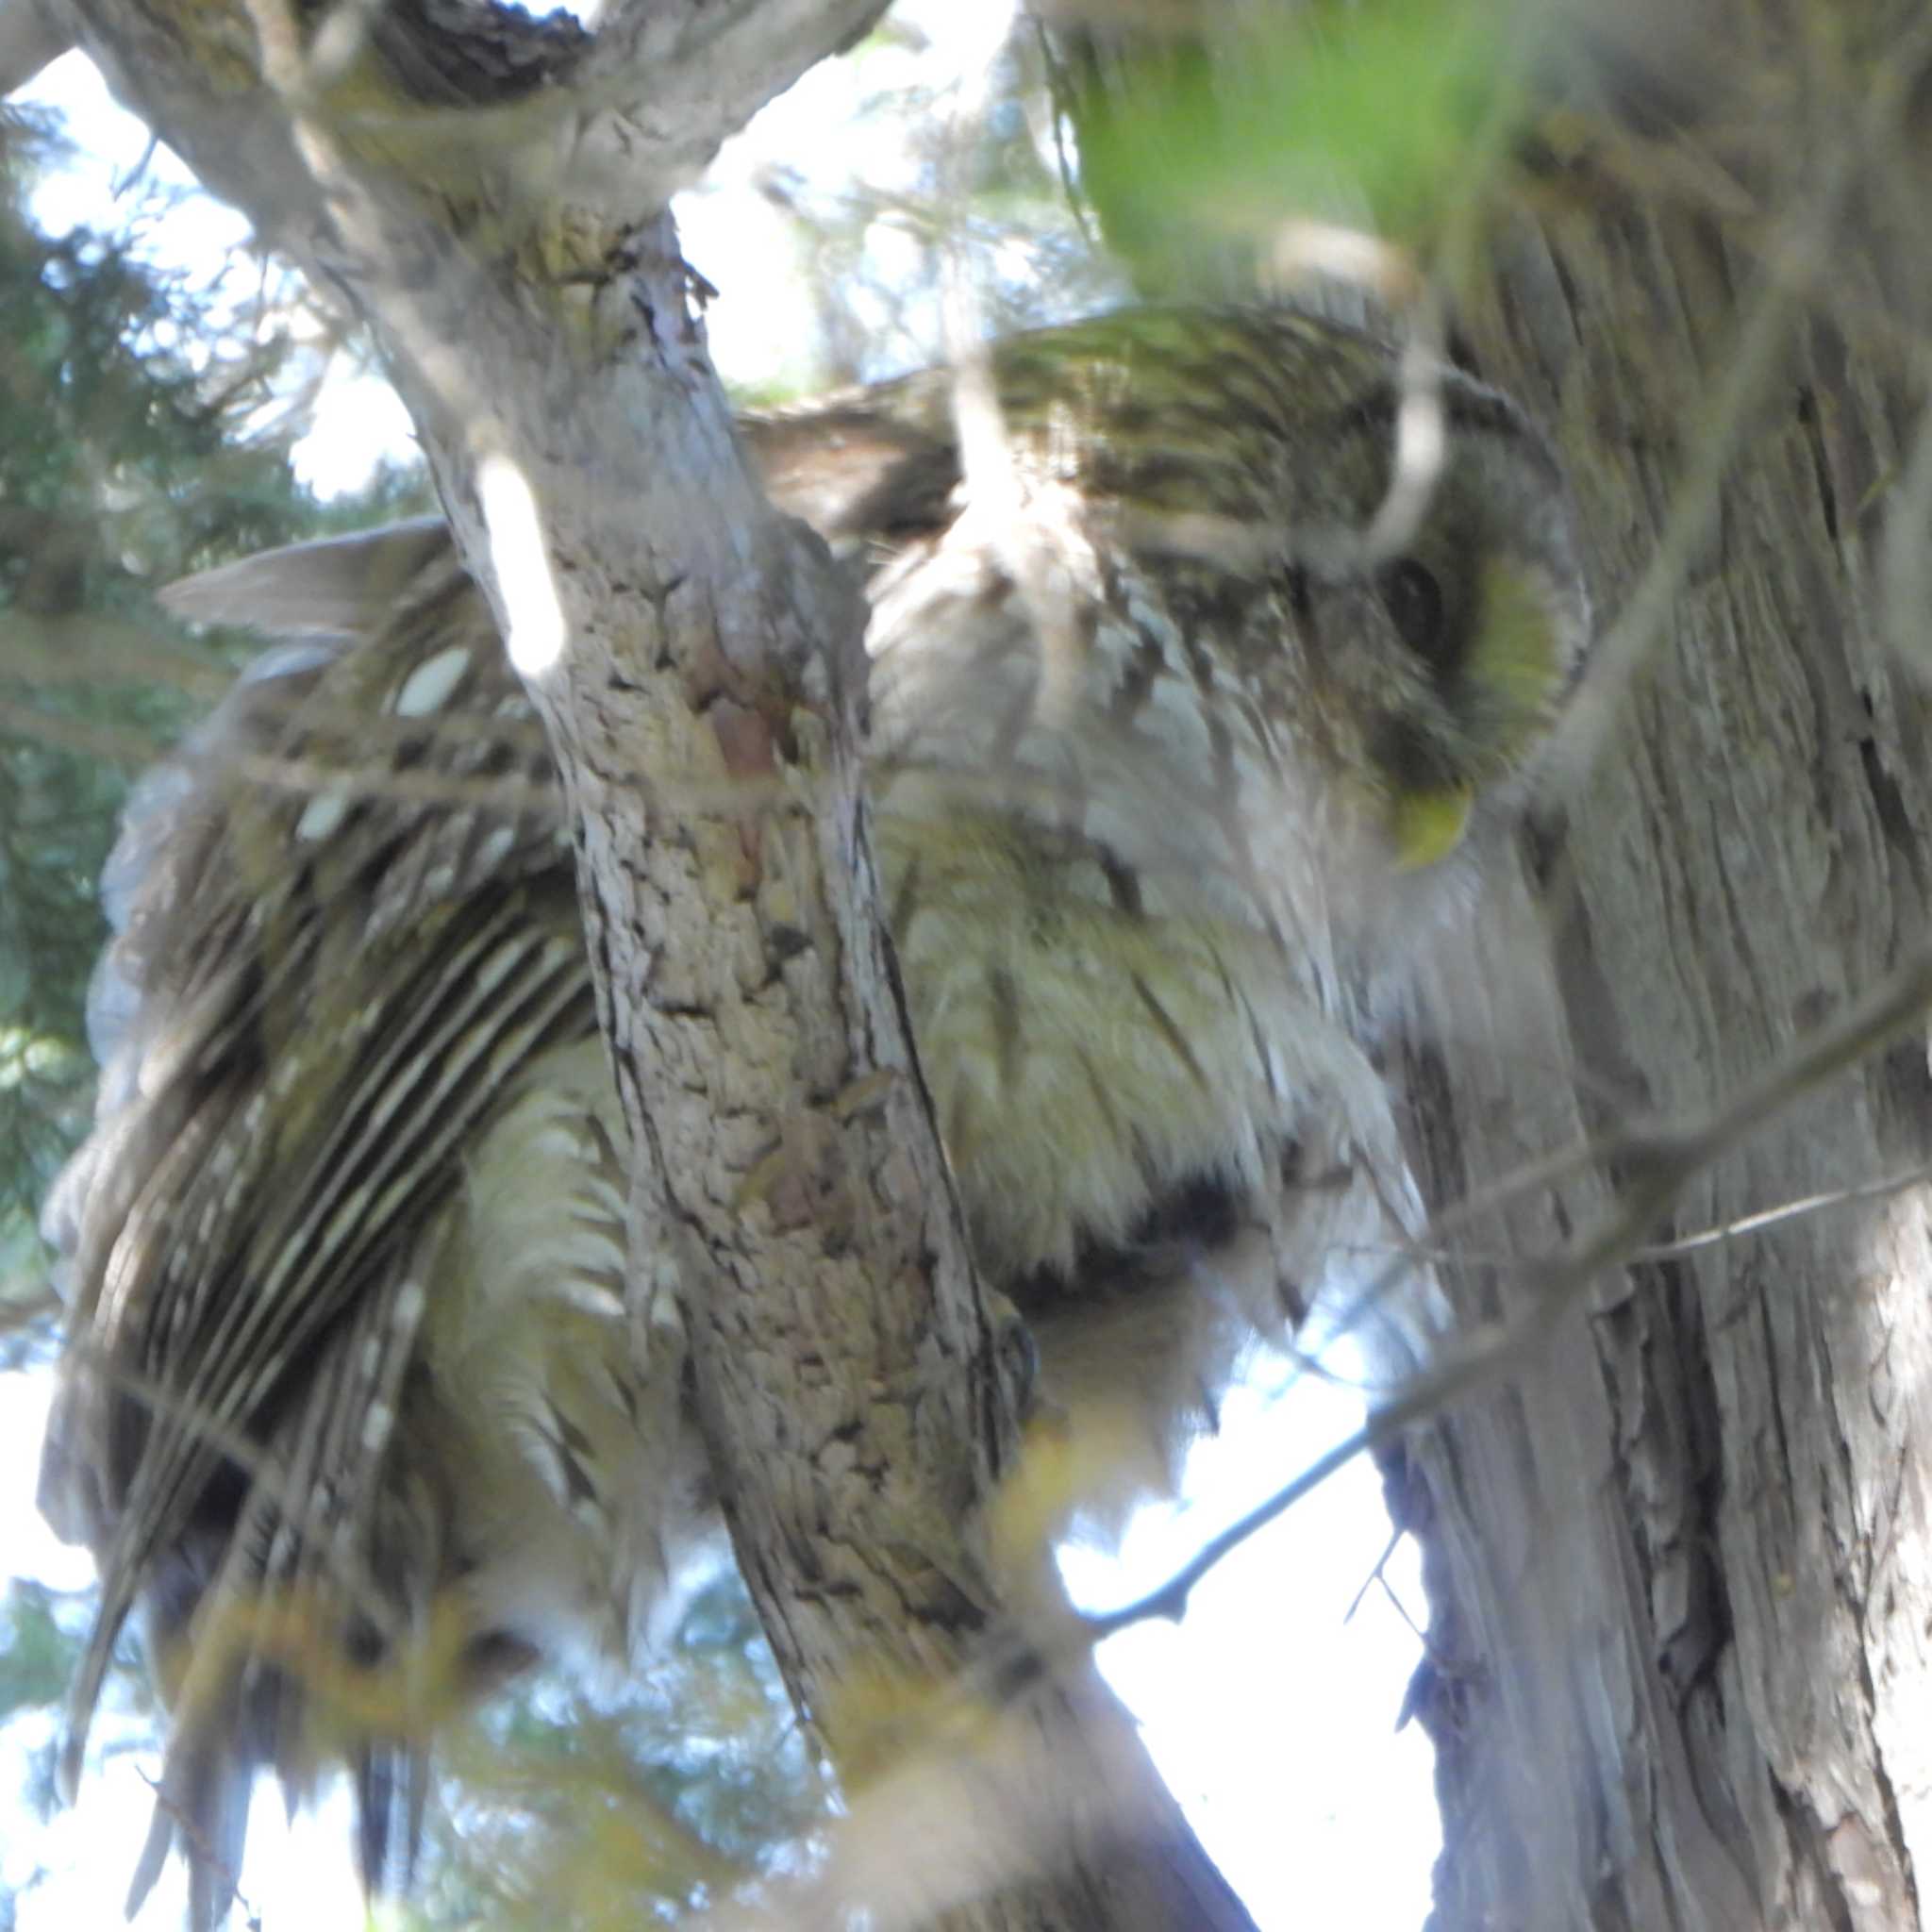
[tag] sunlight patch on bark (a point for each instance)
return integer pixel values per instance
(535, 630)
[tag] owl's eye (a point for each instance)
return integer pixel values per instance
(1414, 602)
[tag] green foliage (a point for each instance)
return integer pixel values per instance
(1378, 114)
(128, 454)
(694, 1775)
(37, 1653)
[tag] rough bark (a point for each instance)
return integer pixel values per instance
(699, 669)
(1677, 1673)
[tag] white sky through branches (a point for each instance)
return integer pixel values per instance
(1271, 1716)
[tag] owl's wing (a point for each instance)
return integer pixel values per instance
(344, 927)
(335, 587)
(343, 919)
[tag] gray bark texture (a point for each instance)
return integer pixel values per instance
(1678, 1673)
(520, 276)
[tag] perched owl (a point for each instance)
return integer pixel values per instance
(1173, 764)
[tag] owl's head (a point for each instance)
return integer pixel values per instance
(1438, 590)
(1299, 618)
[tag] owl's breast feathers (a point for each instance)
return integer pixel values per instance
(1155, 739)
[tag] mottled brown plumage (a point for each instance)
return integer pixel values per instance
(1170, 764)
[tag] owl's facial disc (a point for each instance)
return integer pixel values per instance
(1437, 669)
(1426, 826)
(1453, 659)
(1517, 665)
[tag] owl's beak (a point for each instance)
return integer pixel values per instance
(1428, 825)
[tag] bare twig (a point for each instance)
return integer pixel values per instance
(1661, 1163)
(1718, 1234)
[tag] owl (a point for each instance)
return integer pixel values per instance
(1193, 714)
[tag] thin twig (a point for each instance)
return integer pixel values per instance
(1664, 1162)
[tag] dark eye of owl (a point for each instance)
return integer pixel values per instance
(1414, 602)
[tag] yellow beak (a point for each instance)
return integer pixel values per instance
(1428, 825)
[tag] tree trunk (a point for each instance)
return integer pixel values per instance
(700, 672)
(1677, 1673)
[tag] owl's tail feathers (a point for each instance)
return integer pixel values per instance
(298, 1617)
(263, 1718)
(202, 1800)
(391, 1788)
(284, 1680)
